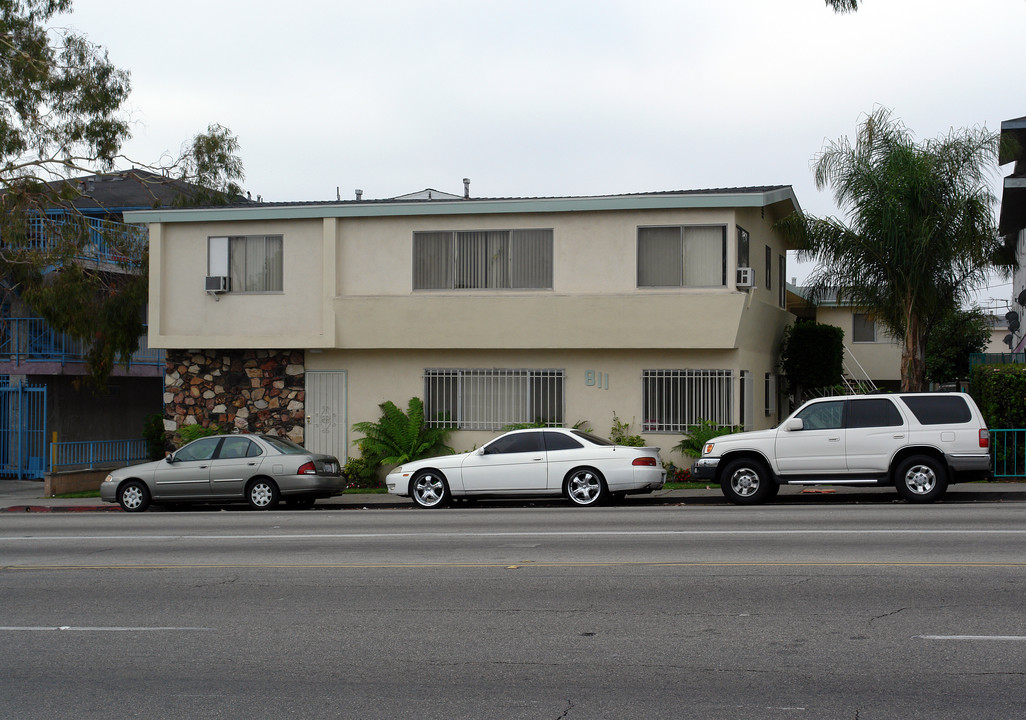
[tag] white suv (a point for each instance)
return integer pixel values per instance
(919, 443)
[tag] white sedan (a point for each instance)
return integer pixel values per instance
(552, 461)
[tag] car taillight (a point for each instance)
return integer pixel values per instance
(984, 438)
(307, 469)
(647, 461)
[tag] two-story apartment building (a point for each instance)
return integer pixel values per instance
(300, 318)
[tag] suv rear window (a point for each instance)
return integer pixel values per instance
(938, 409)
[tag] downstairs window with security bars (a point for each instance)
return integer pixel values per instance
(674, 400)
(493, 399)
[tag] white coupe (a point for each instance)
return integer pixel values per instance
(550, 461)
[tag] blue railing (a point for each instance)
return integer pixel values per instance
(33, 340)
(94, 239)
(1008, 452)
(90, 454)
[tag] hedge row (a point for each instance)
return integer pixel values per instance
(1000, 391)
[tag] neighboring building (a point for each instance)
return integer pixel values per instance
(1012, 224)
(872, 356)
(42, 393)
(301, 318)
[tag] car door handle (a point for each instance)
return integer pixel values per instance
(834, 439)
(898, 437)
(537, 459)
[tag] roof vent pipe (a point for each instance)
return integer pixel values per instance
(466, 188)
(359, 194)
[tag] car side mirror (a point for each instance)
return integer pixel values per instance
(169, 458)
(795, 424)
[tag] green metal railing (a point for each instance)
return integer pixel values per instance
(1008, 452)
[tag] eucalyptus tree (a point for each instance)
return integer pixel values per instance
(919, 231)
(61, 116)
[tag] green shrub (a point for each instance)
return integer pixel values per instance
(154, 435)
(698, 435)
(619, 434)
(188, 433)
(359, 474)
(1000, 391)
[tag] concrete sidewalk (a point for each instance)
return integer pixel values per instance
(27, 496)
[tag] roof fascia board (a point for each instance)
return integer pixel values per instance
(467, 207)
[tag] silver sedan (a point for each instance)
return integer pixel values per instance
(260, 469)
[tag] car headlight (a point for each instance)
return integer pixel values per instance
(708, 448)
(396, 470)
(109, 478)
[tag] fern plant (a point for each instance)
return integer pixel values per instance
(698, 435)
(400, 437)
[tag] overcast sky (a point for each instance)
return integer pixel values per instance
(560, 97)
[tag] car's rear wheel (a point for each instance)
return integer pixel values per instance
(134, 496)
(585, 487)
(747, 482)
(921, 479)
(429, 489)
(262, 494)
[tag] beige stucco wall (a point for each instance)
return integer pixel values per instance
(881, 359)
(182, 315)
(372, 377)
(348, 303)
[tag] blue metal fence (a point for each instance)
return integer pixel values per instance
(33, 340)
(23, 440)
(91, 454)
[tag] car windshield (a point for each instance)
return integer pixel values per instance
(593, 439)
(285, 447)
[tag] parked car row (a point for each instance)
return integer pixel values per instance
(918, 443)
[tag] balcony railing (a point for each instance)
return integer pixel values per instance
(33, 340)
(95, 239)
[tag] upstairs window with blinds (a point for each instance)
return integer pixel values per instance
(483, 260)
(252, 263)
(682, 256)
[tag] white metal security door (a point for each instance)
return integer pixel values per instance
(326, 419)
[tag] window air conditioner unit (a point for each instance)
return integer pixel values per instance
(745, 277)
(217, 284)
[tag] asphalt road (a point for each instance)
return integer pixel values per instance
(783, 611)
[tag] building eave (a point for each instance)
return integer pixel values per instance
(1013, 206)
(736, 198)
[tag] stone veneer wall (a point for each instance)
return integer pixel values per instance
(258, 391)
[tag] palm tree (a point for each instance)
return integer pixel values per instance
(920, 230)
(843, 6)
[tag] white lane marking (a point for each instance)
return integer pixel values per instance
(59, 628)
(1013, 638)
(520, 534)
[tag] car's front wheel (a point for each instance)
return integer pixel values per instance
(585, 487)
(429, 489)
(134, 496)
(747, 482)
(921, 479)
(262, 494)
